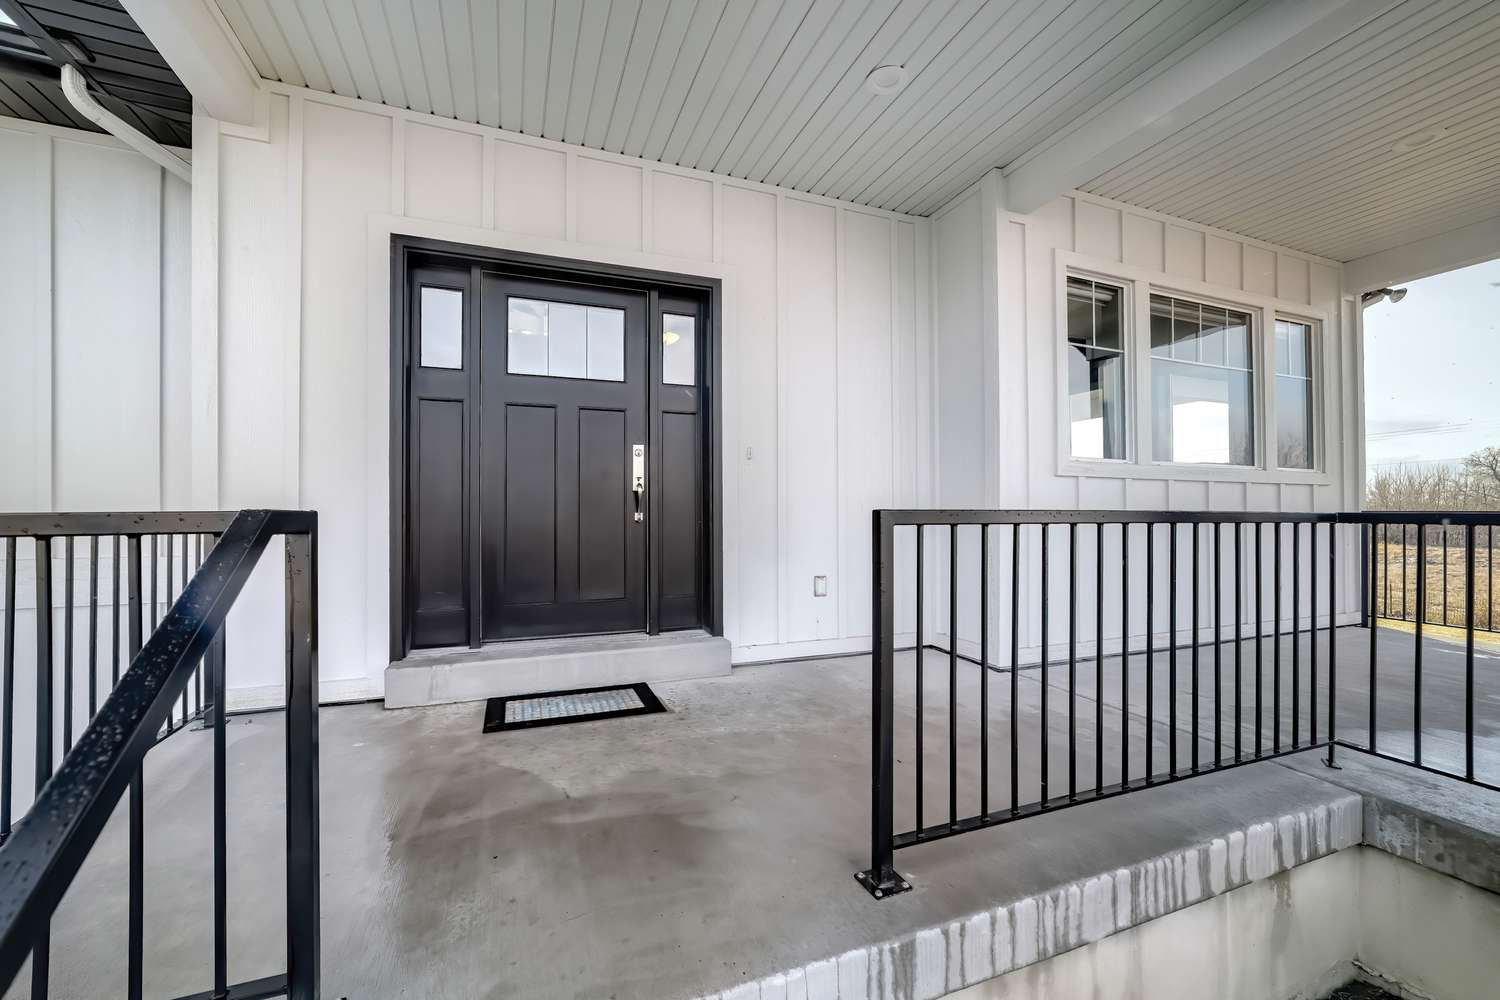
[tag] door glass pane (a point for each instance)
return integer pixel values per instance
(564, 340)
(567, 340)
(442, 334)
(679, 354)
(607, 345)
(527, 337)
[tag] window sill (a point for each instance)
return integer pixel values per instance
(1169, 471)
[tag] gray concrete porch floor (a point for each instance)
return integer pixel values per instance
(665, 855)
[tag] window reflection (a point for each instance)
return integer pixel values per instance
(679, 350)
(1096, 369)
(1294, 402)
(564, 340)
(442, 328)
(1202, 383)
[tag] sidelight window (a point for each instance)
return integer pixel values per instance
(442, 327)
(679, 350)
(564, 340)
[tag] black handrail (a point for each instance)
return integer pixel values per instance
(47, 847)
(1234, 730)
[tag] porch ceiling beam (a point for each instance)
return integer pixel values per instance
(1269, 41)
(1471, 244)
(196, 42)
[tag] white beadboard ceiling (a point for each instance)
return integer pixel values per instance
(769, 90)
(1310, 159)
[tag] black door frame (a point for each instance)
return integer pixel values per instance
(406, 250)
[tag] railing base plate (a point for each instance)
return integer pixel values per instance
(883, 884)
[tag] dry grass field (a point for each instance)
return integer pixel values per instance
(1396, 576)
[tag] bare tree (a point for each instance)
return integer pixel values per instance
(1473, 485)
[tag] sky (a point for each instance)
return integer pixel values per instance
(1432, 370)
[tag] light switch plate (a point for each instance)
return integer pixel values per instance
(820, 586)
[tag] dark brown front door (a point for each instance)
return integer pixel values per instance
(563, 376)
(555, 457)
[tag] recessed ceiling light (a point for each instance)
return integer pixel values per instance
(886, 80)
(1416, 140)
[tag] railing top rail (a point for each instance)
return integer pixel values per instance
(1459, 518)
(55, 525)
(939, 517)
(47, 847)
(924, 516)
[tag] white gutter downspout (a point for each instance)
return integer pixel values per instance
(76, 90)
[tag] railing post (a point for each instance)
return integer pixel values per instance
(302, 765)
(882, 879)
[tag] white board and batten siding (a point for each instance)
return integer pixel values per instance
(94, 369)
(1001, 436)
(823, 351)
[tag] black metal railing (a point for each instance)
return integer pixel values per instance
(1130, 650)
(171, 677)
(1434, 556)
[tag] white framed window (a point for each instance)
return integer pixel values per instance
(1165, 377)
(1202, 383)
(1296, 428)
(1097, 361)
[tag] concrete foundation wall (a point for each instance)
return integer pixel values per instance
(1299, 934)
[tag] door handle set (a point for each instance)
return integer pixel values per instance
(638, 477)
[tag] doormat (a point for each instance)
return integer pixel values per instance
(554, 708)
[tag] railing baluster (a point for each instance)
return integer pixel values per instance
(1239, 641)
(215, 661)
(1260, 628)
(1296, 634)
(1406, 558)
(8, 687)
(1468, 652)
(1375, 626)
(1197, 638)
(135, 921)
(1445, 574)
(93, 625)
(952, 674)
(1045, 716)
(302, 865)
(1172, 650)
(1098, 656)
(42, 950)
(1124, 653)
(198, 674)
(1217, 557)
(1276, 585)
(117, 610)
(921, 717)
(1073, 662)
(1015, 667)
(1333, 656)
(1312, 633)
(67, 644)
(1150, 652)
(984, 670)
(1417, 653)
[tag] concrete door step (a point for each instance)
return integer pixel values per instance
(442, 676)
